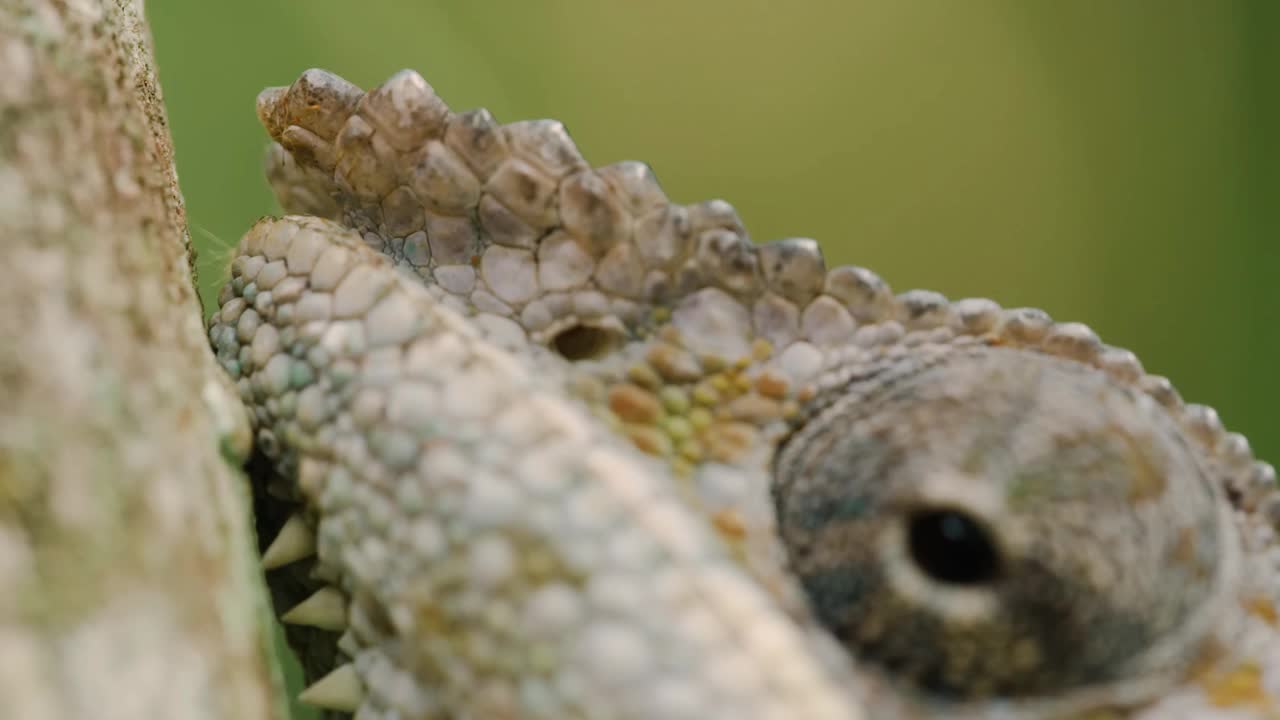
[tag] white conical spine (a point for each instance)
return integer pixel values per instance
(294, 542)
(325, 609)
(340, 690)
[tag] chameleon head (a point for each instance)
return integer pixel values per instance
(980, 502)
(1003, 522)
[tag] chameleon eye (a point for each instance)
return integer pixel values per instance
(1002, 524)
(952, 547)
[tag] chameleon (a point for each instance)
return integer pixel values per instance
(533, 441)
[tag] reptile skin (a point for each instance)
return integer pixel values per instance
(546, 445)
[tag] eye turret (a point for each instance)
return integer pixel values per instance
(998, 522)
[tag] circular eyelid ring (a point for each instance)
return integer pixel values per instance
(961, 496)
(959, 603)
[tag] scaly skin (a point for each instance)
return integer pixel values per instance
(558, 448)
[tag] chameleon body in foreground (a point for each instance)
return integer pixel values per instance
(551, 446)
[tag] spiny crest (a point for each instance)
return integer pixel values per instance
(511, 218)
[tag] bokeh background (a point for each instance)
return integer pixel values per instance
(1115, 163)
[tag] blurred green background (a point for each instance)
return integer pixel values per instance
(1111, 162)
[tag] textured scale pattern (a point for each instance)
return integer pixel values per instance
(534, 442)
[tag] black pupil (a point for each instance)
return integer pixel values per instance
(952, 547)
